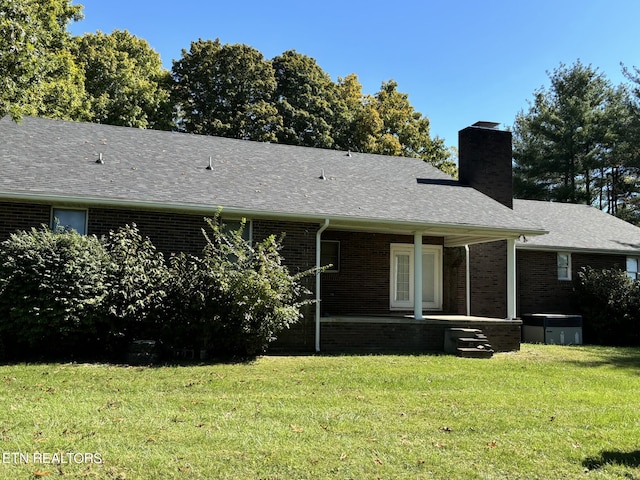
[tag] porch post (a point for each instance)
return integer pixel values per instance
(511, 279)
(417, 276)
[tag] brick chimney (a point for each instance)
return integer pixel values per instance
(484, 161)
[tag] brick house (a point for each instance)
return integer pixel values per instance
(579, 236)
(413, 251)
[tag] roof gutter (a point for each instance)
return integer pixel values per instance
(559, 248)
(318, 266)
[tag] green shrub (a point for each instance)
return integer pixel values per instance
(610, 303)
(51, 289)
(67, 295)
(237, 297)
(134, 303)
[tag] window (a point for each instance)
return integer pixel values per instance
(330, 255)
(402, 280)
(229, 226)
(564, 266)
(632, 268)
(67, 219)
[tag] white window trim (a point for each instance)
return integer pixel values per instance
(407, 248)
(52, 222)
(568, 277)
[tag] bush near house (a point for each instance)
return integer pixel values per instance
(235, 298)
(63, 295)
(134, 304)
(610, 303)
(52, 287)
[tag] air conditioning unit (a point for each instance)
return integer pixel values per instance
(552, 328)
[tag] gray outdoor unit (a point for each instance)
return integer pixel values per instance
(552, 328)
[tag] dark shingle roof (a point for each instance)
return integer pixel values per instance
(578, 227)
(53, 158)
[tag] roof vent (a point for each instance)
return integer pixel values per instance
(348, 153)
(99, 160)
(210, 166)
(322, 176)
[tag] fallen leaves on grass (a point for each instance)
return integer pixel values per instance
(42, 473)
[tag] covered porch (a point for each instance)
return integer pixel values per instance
(399, 291)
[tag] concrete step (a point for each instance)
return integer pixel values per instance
(470, 352)
(472, 341)
(451, 336)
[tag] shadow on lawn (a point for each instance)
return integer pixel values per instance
(621, 357)
(627, 459)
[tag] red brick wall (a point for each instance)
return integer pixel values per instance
(540, 291)
(169, 232)
(22, 216)
(489, 279)
(362, 285)
(409, 336)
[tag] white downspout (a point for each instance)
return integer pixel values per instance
(318, 266)
(511, 279)
(467, 279)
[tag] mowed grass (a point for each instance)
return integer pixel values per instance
(545, 412)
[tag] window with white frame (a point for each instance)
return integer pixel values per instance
(632, 268)
(402, 277)
(63, 219)
(564, 266)
(330, 255)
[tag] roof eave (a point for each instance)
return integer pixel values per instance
(458, 234)
(560, 248)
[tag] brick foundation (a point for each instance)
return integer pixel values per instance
(400, 335)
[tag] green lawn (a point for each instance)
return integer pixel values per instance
(544, 412)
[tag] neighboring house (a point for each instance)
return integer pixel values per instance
(397, 232)
(579, 236)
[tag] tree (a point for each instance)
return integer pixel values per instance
(226, 90)
(564, 146)
(306, 101)
(35, 67)
(125, 80)
(405, 132)
(358, 124)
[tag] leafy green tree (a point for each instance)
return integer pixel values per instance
(306, 100)
(226, 90)
(358, 125)
(62, 93)
(37, 74)
(405, 132)
(125, 80)
(565, 141)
